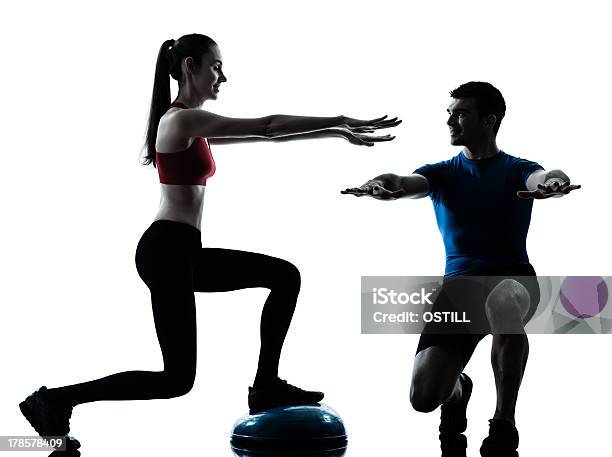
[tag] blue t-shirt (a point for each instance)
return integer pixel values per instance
(482, 221)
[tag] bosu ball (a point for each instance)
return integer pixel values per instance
(309, 430)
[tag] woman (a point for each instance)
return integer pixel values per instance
(170, 258)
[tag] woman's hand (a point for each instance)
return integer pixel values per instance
(361, 139)
(369, 126)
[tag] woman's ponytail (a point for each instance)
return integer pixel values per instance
(160, 101)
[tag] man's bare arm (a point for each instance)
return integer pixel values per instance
(390, 187)
(545, 184)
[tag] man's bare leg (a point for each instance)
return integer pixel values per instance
(506, 307)
(435, 378)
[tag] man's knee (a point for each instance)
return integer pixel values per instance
(434, 376)
(424, 400)
(508, 299)
(426, 392)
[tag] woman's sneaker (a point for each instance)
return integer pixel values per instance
(280, 393)
(49, 418)
(72, 444)
(503, 440)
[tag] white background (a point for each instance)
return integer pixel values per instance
(76, 84)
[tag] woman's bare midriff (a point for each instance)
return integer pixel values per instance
(181, 203)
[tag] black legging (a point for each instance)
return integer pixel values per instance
(172, 263)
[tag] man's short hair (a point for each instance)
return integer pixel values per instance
(489, 99)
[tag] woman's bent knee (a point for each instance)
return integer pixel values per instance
(177, 386)
(285, 275)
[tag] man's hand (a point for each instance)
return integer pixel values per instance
(374, 189)
(551, 188)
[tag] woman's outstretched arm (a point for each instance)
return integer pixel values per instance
(201, 123)
(354, 138)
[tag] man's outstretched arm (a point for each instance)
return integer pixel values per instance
(545, 184)
(390, 187)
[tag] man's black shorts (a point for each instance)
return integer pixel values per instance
(461, 292)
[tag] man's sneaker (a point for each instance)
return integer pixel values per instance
(453, 415)
(280, 393)
(453, 444)
(48, 418)
(503, 440)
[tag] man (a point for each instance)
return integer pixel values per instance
(482, 198)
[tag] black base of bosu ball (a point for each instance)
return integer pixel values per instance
(290, 431)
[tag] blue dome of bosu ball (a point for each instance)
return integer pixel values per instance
(290, 431)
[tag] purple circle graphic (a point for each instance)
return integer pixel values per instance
(584, 296)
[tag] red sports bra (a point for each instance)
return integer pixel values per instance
(190, 166)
